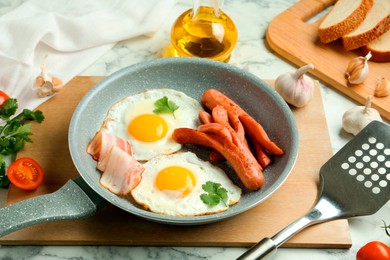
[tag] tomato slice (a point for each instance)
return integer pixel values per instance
(25, 173)
(3, 97)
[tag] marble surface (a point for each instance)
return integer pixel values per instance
(251, 53)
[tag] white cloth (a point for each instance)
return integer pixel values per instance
(73, 33)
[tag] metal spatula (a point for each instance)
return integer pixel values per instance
(354, 182)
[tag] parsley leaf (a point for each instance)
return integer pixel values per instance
(215, 194)
(163, 105)
(27, 114)
(4, 182)
(8, 108)
(14, 133)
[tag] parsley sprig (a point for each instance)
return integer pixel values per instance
(4, 182)
(215, 194)
(14, 132)
(163, 105)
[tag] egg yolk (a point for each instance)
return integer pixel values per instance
(176, 178)
(148, 128)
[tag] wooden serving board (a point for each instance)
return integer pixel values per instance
(112, 226)
(294, 39)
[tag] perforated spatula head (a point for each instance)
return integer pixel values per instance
(354, 182)
(357, 178)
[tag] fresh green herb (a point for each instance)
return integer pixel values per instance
(4, 182)
(163, 105)
(8, 108)
(14, 133)
(215, 194)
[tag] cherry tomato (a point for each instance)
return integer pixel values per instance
(3, 97)
(374, 250)
(25, 173)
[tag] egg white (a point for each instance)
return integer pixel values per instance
(122, 112)
(173, 204)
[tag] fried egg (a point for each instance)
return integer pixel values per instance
(172, 185)
(148, 133)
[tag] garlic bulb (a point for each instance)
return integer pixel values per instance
(296, 88)
(357, 69)
(355, 119)
(45, 84)
(382, 87)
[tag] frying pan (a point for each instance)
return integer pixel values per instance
(83, 196)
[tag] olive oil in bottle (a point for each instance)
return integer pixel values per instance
(204, 31)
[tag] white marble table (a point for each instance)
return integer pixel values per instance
(252, 18)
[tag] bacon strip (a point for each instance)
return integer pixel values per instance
(102, 142)
(122, 172)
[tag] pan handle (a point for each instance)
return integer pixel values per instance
(75, 200)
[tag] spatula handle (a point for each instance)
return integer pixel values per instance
(69, 202)
(265, 248)
(322, 211)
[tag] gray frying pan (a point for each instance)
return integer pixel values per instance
(83, 196)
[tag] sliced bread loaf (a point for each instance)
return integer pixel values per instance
(379, 48)
(344, 17)
(376, 23)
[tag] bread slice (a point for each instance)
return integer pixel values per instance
(376, 23)
(344, 17)
(379, 48)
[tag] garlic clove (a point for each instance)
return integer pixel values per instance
(356, 118)
(44, 84)
(295, 87)
(39, 81)
(357, 69)
(46, 89)
(57, 84)
(382, 87)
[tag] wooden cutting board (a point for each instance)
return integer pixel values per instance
(112, 226)
(296, 40)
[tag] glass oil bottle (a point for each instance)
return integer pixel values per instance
(204, 31)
